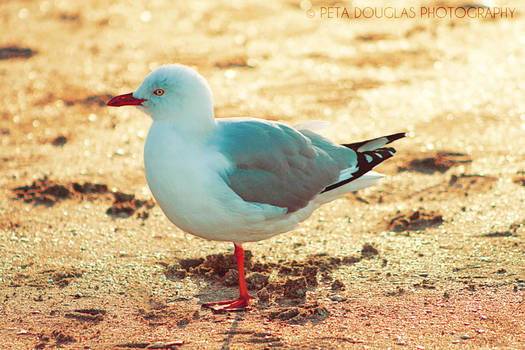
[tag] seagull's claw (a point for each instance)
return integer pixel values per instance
(237, 305)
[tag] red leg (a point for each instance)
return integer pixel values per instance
(240, 304)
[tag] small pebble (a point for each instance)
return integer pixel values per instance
(59, 141)
(336, 297)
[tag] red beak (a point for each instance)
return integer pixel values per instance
(125, 100)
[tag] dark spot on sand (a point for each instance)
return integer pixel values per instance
(72, 17)
(43, 191)
(59, 337)
(91, 311)
(368, 251)
(292, 281)
(295, 287)
(240, 62)
(59, 141)
(415, 221)
(337, 285)
(9, 52)
(64, 277)
(498, 234)
(373, 37)
(519, 181)
(300, 315)
(56, 277)
(439, 162)
(48, 192)
(513, 230)
(285, 314)
(89, 188)
(425, 284)
(256, 280)
(187, 264)
(99, 100)
(395, 293)
(126, 205)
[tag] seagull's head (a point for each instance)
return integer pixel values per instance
(171, 92)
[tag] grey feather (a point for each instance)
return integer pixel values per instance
(276, 164)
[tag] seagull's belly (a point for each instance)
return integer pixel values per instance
(204, 206)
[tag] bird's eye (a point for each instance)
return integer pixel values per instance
(159, 92)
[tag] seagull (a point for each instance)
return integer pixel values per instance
(240, 179)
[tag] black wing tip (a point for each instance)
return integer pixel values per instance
(366, 161)
(394, 137)
(390, 138)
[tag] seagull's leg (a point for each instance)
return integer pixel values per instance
(240, 304)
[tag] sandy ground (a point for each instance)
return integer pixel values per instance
(431, 258)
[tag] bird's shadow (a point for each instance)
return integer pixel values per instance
(233, 331)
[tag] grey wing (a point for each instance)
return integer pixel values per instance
(278, 165)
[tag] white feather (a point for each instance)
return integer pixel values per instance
(314, 125)
(345, 174)
(374, 144)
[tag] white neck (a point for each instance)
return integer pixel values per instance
(192, 129)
